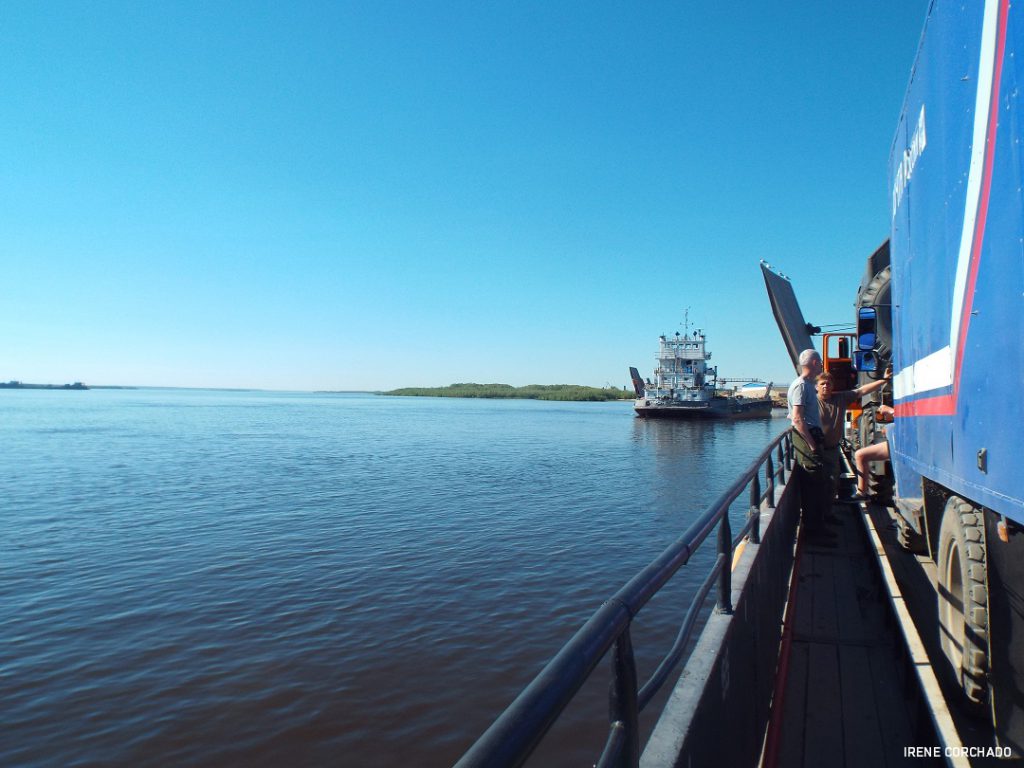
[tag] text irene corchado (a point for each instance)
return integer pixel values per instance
(1005, 753)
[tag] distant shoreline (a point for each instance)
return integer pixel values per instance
(23, 385)
(561, 392)
(555, 392)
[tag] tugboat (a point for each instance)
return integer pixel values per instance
(685, 387)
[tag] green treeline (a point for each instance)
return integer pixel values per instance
(529, 392)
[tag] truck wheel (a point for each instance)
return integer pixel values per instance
(909, 539)
(963, 597)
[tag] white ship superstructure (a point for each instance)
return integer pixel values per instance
(681, 371)
(685, 386)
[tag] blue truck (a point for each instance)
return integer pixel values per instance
(943, 301)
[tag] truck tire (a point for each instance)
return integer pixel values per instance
(909, 539)
(963, 597)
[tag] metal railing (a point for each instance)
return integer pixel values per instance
(519, 729)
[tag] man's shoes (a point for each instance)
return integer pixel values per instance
(857, 498)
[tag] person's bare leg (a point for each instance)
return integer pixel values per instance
(863, 457)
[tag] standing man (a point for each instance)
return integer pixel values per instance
(809, 442)
(832, 409)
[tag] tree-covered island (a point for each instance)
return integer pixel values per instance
(529, 392)
(24, 385)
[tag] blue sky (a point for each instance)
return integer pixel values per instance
(380, 194)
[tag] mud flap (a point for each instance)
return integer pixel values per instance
(1006, 631)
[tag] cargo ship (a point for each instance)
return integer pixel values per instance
(686, 387)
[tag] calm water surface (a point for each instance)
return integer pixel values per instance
(241, 578)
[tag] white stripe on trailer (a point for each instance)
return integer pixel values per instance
(931, 372)
(936, 370)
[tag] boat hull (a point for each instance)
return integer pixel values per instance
(719, 408)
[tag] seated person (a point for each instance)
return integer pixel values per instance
(864, 456)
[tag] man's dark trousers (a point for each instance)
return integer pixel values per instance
(814, 482)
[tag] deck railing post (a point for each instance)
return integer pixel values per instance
(769, 479)
(789, 453)
(754, 514)
(622, 701)
(780, 458)
(725, 576)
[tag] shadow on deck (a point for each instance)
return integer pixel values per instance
(848, 699)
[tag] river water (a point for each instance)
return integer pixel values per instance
(264, 579)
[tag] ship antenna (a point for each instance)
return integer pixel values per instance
(686, 321)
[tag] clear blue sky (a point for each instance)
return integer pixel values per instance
(369, 195)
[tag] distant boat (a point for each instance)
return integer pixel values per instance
(754, 389)
(685, 387)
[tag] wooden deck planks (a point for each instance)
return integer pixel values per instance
(791, 746)
(862, 736)
(823, 731)
(852, 626)
(825, 622)
(843, 704)
(803, 619)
